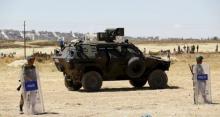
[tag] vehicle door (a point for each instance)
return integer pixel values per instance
(116, 63)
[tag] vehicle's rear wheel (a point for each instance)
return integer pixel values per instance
(135, 68)
(138, 83)
(157, 79)
(92, 81)
(72, 85)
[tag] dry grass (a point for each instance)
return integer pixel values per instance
(7, 41)
(43, 43)
(29, 44)
(6, 60)
(9, 44)
(12, 45)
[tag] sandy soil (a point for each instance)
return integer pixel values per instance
(116, 98)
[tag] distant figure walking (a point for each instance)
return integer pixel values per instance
(197, 48)
(2, 54)
(174, 50)
(216, 49)
(61, 43)
(184, 48)
(179, 49)
(144, 50)
(193, 49)
(187, 49)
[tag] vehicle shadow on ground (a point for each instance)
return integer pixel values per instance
(131, 89)
(173, 87)
(48, 113)
(214, 103)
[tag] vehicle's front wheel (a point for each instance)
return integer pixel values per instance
(92, 81)
(138, 83)
(72, 85)
(158, 79)
(135, 67)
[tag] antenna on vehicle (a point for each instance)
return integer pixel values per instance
(24, 42)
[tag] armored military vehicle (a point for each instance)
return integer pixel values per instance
(88, 63)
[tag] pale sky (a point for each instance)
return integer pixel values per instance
(164, 18)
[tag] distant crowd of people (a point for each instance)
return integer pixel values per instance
(189, 49)
(186, 49)
(2, 55)
(180, 50)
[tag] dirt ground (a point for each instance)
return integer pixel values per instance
(116, 98)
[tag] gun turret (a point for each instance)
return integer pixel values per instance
(110, 34)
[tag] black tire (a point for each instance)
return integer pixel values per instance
(92, 81)
(138, 83)
(158, 79)
(71, 85)
(135, 68)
